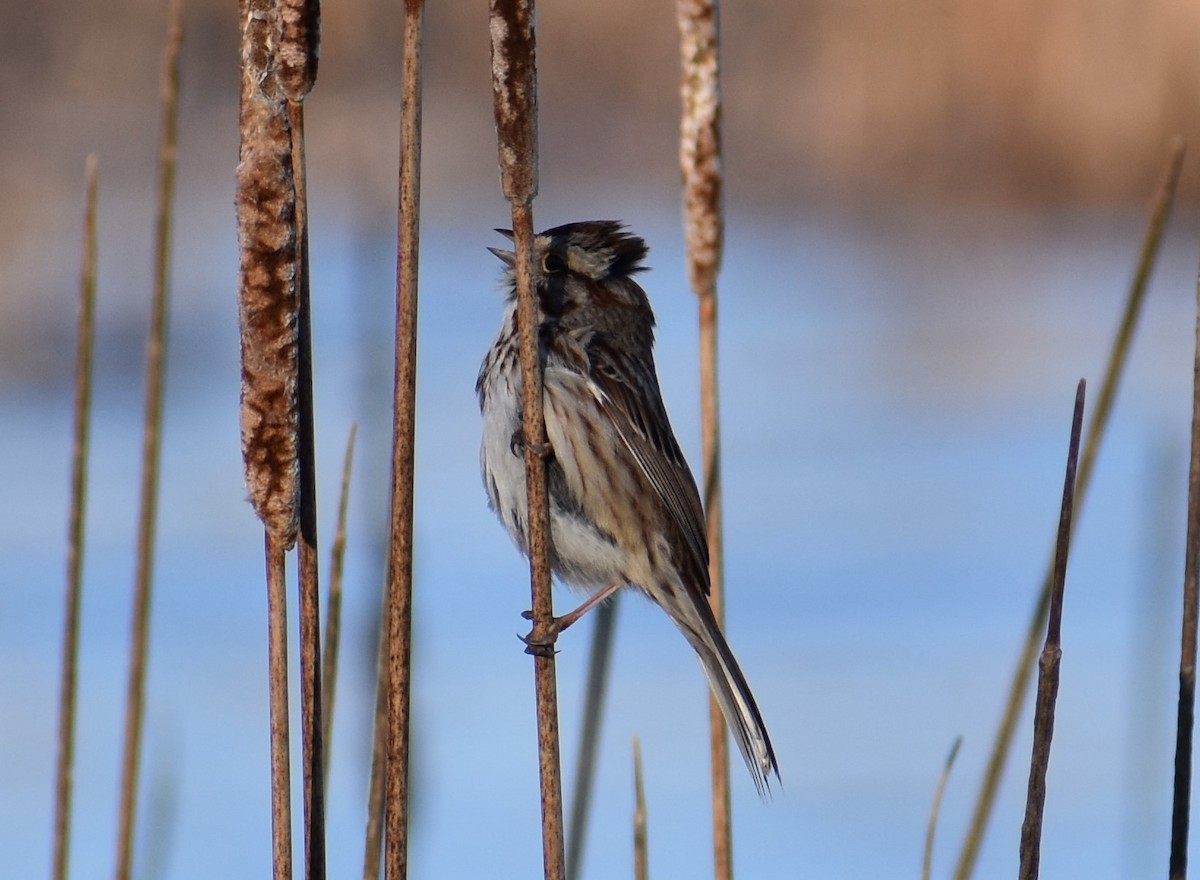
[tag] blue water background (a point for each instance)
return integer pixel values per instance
(896, 396)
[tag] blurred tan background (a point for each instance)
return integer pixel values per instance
(867, 106)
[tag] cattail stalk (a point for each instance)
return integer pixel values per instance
(400, 554)
(700, 160)
(269, 311)
(514, 92)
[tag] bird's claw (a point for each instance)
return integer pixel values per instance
(541, 644)
(518, 443)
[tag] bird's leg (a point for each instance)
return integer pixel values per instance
(543, 643)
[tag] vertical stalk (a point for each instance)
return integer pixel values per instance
(599, 661)
(1047, 692)
(641, 848)
(277, 672)
(700, 159)
(1186, 720)
(151, 445)
(373, 849)
(79, 457)
(399, 604)
(296, 66)
(514, 91)
(269, 321)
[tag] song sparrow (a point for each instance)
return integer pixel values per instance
(623, 505)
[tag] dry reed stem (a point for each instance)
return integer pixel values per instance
(514, 91)
(373, 850)
(267, 297)
(311, 714)
(1185, 722)
(700, 161)
(151, 446)
(333, 614)
(400, 552)
(277, 672)
(641, 849)
(599, 661)
(935, 810)
(1047, 692)
(85, 332)
(1019, 685)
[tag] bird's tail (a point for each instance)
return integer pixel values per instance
(733, 695)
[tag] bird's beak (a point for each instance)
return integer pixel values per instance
(507, 257)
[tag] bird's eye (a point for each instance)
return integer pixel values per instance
(552, 264)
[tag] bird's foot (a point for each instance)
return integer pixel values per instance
(518, 443)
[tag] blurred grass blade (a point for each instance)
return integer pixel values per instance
(599, 663)
(151, 447)
(935, 810)
(376, 785)
(85, 333)
(333, 615)
(641, 858)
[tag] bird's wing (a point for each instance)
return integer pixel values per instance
(627, 392)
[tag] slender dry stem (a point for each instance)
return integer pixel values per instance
(1185, 722)
(400, 553)
(333, 614)
(700, 160)
(935, 810)
(641, 855)
(151, 444)
(79, 457)
(376, 789)
(277, 671)
(1047, 692)
(599, 662)
(311, 714)
(514, 91)
(1091, 445)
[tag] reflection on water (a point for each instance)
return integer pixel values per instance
(896, 396)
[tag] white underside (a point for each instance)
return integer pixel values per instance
(584, 558)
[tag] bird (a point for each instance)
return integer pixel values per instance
(624, 510)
